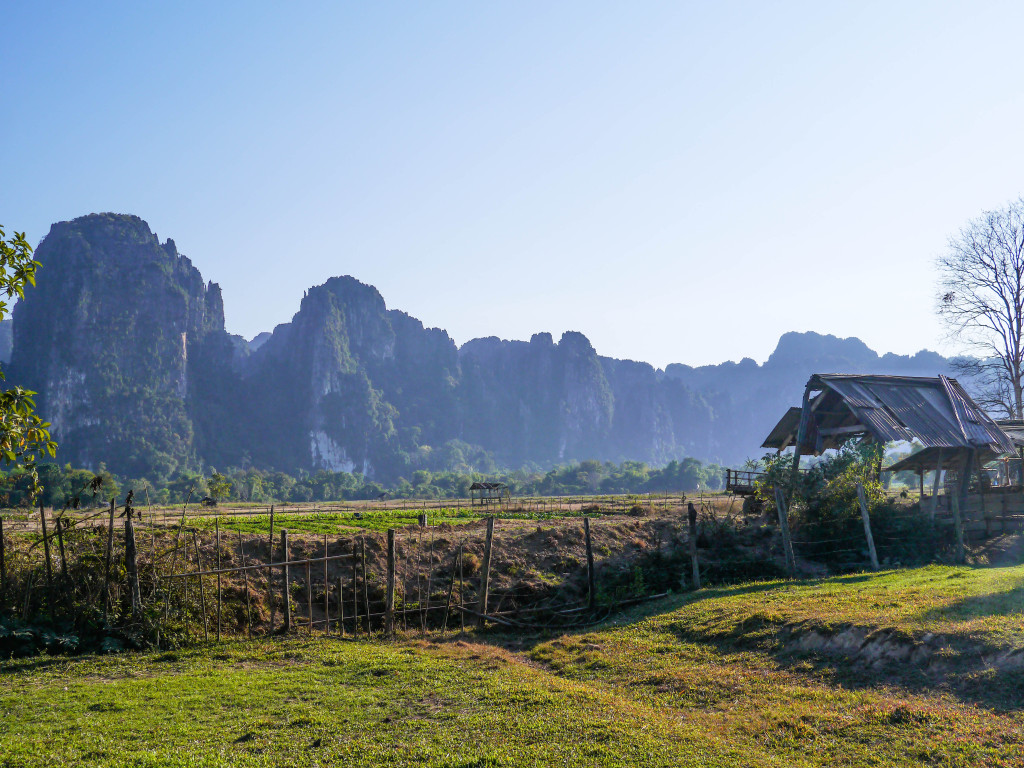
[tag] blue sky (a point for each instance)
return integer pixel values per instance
(682, 182)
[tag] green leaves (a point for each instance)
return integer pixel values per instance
(24, 436)
(17, 268)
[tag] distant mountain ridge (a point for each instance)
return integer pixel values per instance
(126, 345)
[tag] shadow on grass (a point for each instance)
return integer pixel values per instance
(963, 674)
(1008, 603)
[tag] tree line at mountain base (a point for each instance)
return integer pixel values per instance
(60, 483)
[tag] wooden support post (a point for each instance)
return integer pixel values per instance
(106, 572)
(801, 436)
(787, 542)
(867, 526)
(202, 587)
(485, 577)
(958, 529)
(389, 597)
(216, 526)
(286, 593)
(691, 513)
(920, 476)
(935, 486)
(965, 484)
(46, 554)
(245, 582)
(327, 592)
(591, 579)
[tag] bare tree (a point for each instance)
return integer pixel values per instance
(981, 304)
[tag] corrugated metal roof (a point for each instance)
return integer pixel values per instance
(937, 412)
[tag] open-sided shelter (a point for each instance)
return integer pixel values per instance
(488, 493)
(935, 412)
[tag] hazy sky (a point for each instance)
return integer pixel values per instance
(682, 182)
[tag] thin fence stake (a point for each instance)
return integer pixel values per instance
(46, 554)
(216, 526)
(692, 515)
(591, 579)
(270, 572)
(448, 602)
(59, 523)
(389, 597)
(341, 603)
(867, 526)
(787, 542)
(486, 577)
(3, 565)
(245, 581)
(462, 596)
(106, 573)
(366, 593)
(309, 596)
(355, 591)
(202, 586)
(287, 607)
(327, 592)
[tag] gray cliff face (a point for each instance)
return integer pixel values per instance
(106, 337)
(126, 345)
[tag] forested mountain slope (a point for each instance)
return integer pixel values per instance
(126, 345)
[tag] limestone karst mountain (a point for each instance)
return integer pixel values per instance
(125, 343)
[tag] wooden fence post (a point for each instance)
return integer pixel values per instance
(958, 528)
(591, 590)
(787, 542)
(106, 573)
(216, 526)
(366, 588)
(867, 526)
(327, 592)
(3, 565)
(462, 595)
(131, 557)
(309, 596)
(202, 586)
(389, 597)
(59, 523)
(245, 582)
(270, 572)
(485, 578)
(692, 515)
(355, 590)
(341, 602)
(287, 594)
(46, 554)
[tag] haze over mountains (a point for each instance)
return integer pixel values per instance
(125, 343)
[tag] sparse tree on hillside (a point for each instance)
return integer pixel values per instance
(981, 303)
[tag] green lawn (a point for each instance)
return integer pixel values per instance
(695, 680)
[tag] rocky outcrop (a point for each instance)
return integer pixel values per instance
(106, 337)
(126, 345)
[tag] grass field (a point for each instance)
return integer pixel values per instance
(376, 520)
(705, 679)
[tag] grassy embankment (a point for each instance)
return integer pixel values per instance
(703, 680)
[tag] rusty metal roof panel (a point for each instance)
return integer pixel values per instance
(937, 412)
